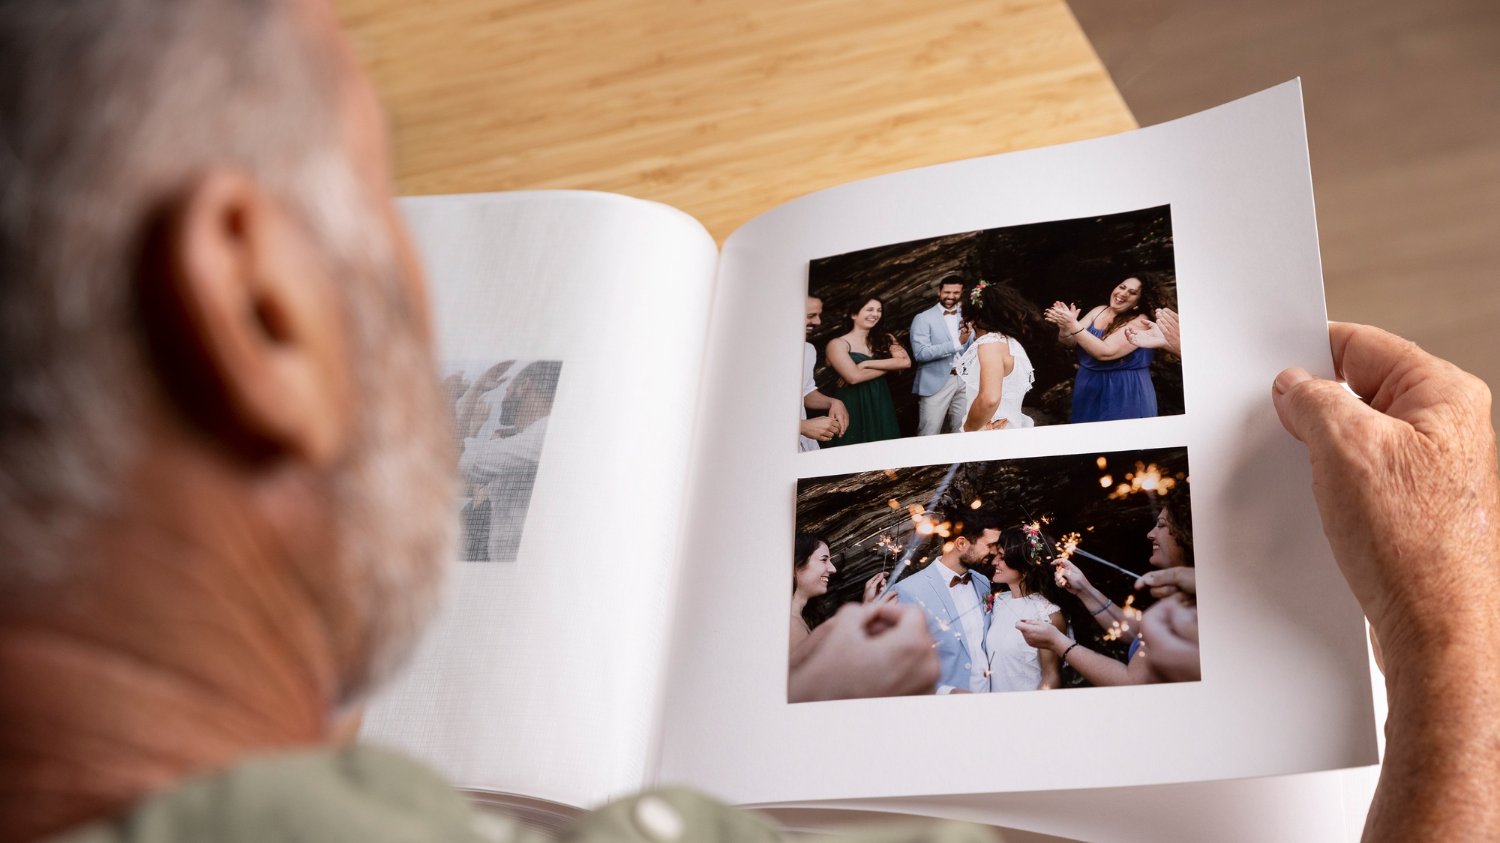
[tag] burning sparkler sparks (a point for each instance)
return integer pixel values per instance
(1145, 480)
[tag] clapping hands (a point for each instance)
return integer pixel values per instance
(1163, 333)
(1063, 315)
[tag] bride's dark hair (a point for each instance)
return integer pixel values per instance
(1001, 309)
(1036, 576)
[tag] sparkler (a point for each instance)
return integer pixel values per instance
(1067, 548)
(1146, 480)
(917, 511)
(1086, 555)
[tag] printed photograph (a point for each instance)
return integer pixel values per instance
(1059, 322)
(1047, 573)
(500, 413)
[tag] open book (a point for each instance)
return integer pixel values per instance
(634, 490)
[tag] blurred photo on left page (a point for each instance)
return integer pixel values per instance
(571, 329)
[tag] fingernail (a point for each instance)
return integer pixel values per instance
(1290, 378)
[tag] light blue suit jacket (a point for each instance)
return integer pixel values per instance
(928, 589)
(932, 347)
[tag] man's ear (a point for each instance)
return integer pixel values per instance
(242, 313)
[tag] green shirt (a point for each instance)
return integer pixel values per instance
(369, 795)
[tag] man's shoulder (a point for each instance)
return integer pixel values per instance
(911, 583)
(924, 315)
(354, 793)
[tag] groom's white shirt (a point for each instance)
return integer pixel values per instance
(971, 621)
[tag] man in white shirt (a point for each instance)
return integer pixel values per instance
(822, 428)
(938, 337)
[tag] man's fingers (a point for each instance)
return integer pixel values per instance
(1382, 367)
(1314, 410)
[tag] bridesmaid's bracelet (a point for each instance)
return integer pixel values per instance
(1107, 604)
(1064, 656)
(1079, 331)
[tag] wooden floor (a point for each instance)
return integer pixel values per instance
(1403, 113)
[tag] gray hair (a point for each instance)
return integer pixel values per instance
(107, 108)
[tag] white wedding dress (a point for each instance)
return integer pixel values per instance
(1012, 389)
(1014, 664)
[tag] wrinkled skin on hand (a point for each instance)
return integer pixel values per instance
(1408, 491)
(1406, 485)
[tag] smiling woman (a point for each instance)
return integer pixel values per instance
(862, 357)
(1114, 376)
(812, 566)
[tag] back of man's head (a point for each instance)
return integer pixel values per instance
(145, 146)
(108, 108)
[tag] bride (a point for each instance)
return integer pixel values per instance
(1015, 664)
(995, 369)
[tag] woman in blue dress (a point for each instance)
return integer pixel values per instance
(1114, 377)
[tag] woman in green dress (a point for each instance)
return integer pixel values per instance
(862, 359)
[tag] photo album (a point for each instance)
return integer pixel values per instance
(711, 494)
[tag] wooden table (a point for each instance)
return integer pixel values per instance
(720, 108)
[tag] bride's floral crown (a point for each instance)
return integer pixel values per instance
(977, 292)
(1038, 551)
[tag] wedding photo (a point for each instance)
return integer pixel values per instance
(500, 412)
(1046, 573)
(1058, 322)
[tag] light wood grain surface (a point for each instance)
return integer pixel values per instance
(719, 107)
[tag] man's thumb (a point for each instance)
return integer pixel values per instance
(1313, 409)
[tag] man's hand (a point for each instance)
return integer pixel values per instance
(1169, 581)
(877, 650)
(963, 332)
(1406, 486)
(822, 428)
(840, 415)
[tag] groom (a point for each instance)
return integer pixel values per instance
(951, 592)
(938, 336)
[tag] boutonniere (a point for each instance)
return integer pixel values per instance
(989, 602)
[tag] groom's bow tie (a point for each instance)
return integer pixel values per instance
(953, 312)
(961, 578)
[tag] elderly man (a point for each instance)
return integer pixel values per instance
(225, 486)
(226, 477)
